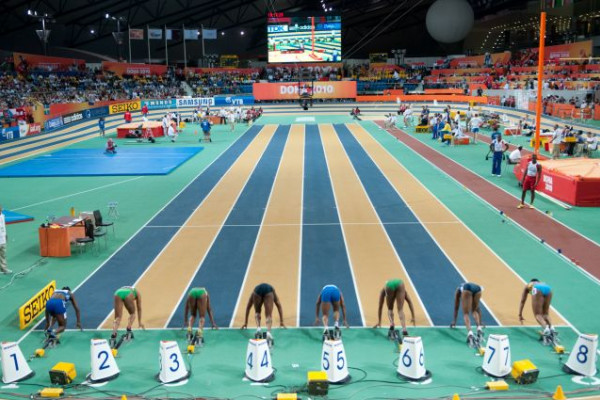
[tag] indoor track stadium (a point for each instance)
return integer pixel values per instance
(320, 199)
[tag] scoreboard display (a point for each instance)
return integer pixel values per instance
(301, 38)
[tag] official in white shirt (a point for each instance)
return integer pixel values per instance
(3, 268)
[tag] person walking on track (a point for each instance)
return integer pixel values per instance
(394, 291)
(530, 180)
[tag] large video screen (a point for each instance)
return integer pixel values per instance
(293, 39)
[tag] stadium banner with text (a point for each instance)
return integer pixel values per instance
(234, 100)
(85, 114)
(292, 91)
(34, 129)
(121, 69)
(35, 306)
(10, 133)
(46, 63)
(159, 104)
(195, 102)
(120, 108)
(569, 50)
(480, 61)
(53, 123)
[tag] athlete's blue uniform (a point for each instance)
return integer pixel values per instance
(330, 294)
(57, 306)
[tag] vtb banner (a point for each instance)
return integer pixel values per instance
(292, 91)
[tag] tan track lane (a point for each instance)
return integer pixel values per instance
(477, 262)
(168, 277)
(276, 257)
(372, 255)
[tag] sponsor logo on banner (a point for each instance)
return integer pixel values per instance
(36, 305)
(196, 102)
(159, 104)
(73, 117)
(233, 100)
(9, 133)
(53, 123)
(95, 112)
(122, 107)
(34, 129)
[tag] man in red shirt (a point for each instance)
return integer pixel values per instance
(127, 117)
(145, 110)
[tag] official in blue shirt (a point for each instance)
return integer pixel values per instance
(205, 126)
(101, 125)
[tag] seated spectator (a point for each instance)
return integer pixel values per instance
(515, 156)
(111, 147)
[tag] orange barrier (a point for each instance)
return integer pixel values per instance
(444, 91)
(424, 97)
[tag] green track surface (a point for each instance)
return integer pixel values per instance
(218, 367)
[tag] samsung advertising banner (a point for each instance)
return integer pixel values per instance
(234, 100)
(195, 102)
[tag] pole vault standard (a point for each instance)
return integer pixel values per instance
(538, 109)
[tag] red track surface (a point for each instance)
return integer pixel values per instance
(572, 244)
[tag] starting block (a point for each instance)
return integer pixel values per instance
(422, 129)
(411, 364)
(334, 361)
(582, 360)
(14, 365)
(496, 360)
(258, 361)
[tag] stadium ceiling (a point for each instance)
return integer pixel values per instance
(385, 24)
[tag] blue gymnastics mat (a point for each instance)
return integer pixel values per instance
(94, 162)
(12, 217)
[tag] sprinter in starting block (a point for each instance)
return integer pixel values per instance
(56, 311)
(197, 303)
(331, 297)
(541, 297)
(469, 294)
(394, 291)
(264, 294)
(130, 298)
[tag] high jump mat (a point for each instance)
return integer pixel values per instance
(12, 217)
(94, 162)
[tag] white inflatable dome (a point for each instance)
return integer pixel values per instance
(449, 21)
